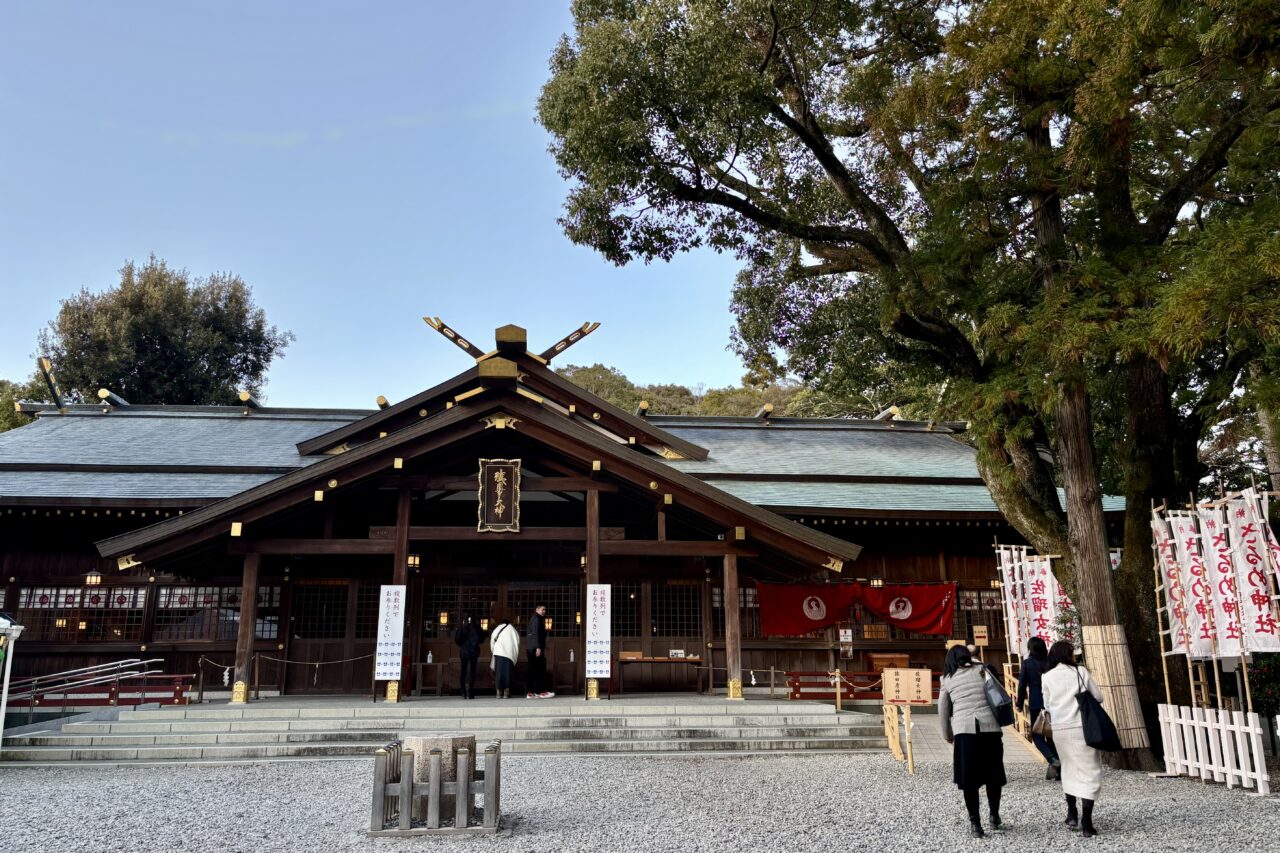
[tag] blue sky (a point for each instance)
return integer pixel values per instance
(358, 166)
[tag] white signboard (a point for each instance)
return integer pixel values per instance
(599, 633)
(390, 649)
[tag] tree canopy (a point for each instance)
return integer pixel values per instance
(163, 336)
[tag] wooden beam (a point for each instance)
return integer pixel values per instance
(470, 534)
(400, 570)
(511, 339)
(313, 546)
(246, 632)
(732, 627)
(567, 341)
(593, 536)
(455, 483)
(463, 344)
(671, 548)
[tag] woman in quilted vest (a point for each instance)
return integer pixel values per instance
(970, 726)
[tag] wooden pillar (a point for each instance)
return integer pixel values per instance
(400, 571)
(732, 626)
(593, 570)
(248, 623)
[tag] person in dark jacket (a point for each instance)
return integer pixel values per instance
(468, 637)
(1029, 693)
(535, 646)
(968, 723)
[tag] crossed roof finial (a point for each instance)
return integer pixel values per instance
(478, 354)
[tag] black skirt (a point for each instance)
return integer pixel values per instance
(978, 760)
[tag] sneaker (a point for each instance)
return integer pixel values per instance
(529, 696)
(546, 695)
(997, 825)
(975, 830)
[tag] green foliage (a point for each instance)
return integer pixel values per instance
(31, 391)
(891, 172)
(1264, 684)
(664, 399)
(162, 336)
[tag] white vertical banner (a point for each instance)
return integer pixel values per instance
(1175, 597)
(1196, 583)
(1042, 596)
(1216, 548)
(390, 648)
(1248, 550)
(1011, 593)
(599, 631)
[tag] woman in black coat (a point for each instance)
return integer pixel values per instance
(468, 638)
(1029, 692)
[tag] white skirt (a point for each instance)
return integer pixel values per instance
(1081, 764)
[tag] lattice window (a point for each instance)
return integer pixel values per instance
(76, 615)
(624, 609)
(563, 601)
(677, 610)
(748, 612)
(440, 611)
(320, 612)
(966, 619)
(211, 613)
(368, 601)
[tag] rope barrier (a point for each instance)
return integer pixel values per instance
(226, 670)
(315, 674)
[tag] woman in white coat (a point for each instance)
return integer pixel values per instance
(1081, 763)
(504, 643)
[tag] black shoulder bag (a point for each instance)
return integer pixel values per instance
(1099, 731)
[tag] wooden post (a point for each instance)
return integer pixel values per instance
(911, 756)
(248, 623)
(592, 685)
(491, 785)
(406, 788)
(462, 790)
(433, 789)
(376, 814)
(732, 627)
(1164, 662)
(400, 571)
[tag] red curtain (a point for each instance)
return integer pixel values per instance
(793, 609)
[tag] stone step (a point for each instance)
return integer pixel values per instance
(257, 751)
(448, 708)
(136, 725)
(385, 736)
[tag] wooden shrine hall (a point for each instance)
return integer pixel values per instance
(135, 529)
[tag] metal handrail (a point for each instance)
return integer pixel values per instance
(113, 678)
(101, 668)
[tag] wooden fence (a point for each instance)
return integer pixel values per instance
(1214, 745)
(395, 792)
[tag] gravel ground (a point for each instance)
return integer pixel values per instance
(763, 803)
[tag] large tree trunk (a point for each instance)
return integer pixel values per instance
(1149, 478)
(1105, 647)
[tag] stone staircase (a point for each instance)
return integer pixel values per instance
(279, 730)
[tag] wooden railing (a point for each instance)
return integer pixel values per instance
(395, 792)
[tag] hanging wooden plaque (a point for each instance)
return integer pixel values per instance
(499, 508)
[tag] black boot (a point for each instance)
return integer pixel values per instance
(975, 829)
(1073, 818)
(1086, 819)
(993, 804)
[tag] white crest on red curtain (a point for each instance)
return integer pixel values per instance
(815, 608)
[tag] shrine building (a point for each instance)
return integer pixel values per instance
(136, 530)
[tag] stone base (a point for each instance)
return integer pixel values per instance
(448, 743)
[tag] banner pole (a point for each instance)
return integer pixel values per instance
(1164, 662)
